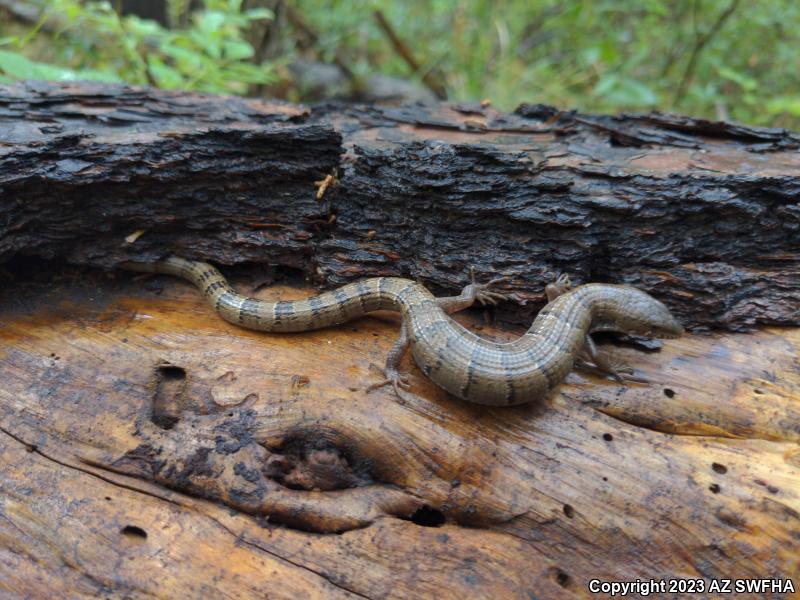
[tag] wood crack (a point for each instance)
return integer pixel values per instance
(643, 423)
(31, 448)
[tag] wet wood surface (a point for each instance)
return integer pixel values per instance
(150, 448)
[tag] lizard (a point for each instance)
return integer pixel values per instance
(472, 368)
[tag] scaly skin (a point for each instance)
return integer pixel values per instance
(467, 366)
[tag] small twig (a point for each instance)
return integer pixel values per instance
(700, 42)
(405, 53)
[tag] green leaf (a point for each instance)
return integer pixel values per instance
(745, 82)
(606, 84)
(609, 51)
(591, 55)
(237, 50)
(206, 43)
(20, 67)
(784, 104)
(17, 66)
(142, 28)
(624, 91)
(164, 75)
(250, 73)
(185, 59)
(210, 21)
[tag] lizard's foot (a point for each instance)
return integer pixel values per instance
(399, 381)
(484, 292)
(612, 366)
(618, 370)
(563, 280)
(561, 285)
(608, 364)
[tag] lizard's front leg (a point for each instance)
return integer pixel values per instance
(561, 285)
(482, 292)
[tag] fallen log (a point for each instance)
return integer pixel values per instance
(703, 215)
(150, 448)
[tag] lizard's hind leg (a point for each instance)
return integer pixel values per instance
(606, 364)
(391, 375)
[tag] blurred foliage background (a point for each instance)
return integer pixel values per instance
(723, 59)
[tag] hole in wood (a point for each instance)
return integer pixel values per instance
(171, 373)
(428, 517)
(134, 532)
(569, 511)
(669, 393)
(608, 437)
(170, 385)
(758, 391)
(306, 462)
(562, 578)
(718, 468)
(714, 488)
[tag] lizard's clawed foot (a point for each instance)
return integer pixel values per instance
(609, 366)
(561, 285)
(399, 381)
(619, 371)
(623, 373)
(563, 280)
(484, 292)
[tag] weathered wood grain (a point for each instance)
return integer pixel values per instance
(128, 409)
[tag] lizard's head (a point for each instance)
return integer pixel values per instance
(644, 315)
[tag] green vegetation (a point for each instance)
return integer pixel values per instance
(719, 59)
(89, 40)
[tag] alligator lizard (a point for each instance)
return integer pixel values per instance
(464, 364)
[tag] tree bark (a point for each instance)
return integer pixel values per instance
(150, 448)
(704, 215)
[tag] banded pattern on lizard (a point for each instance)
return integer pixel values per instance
(464, 364)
